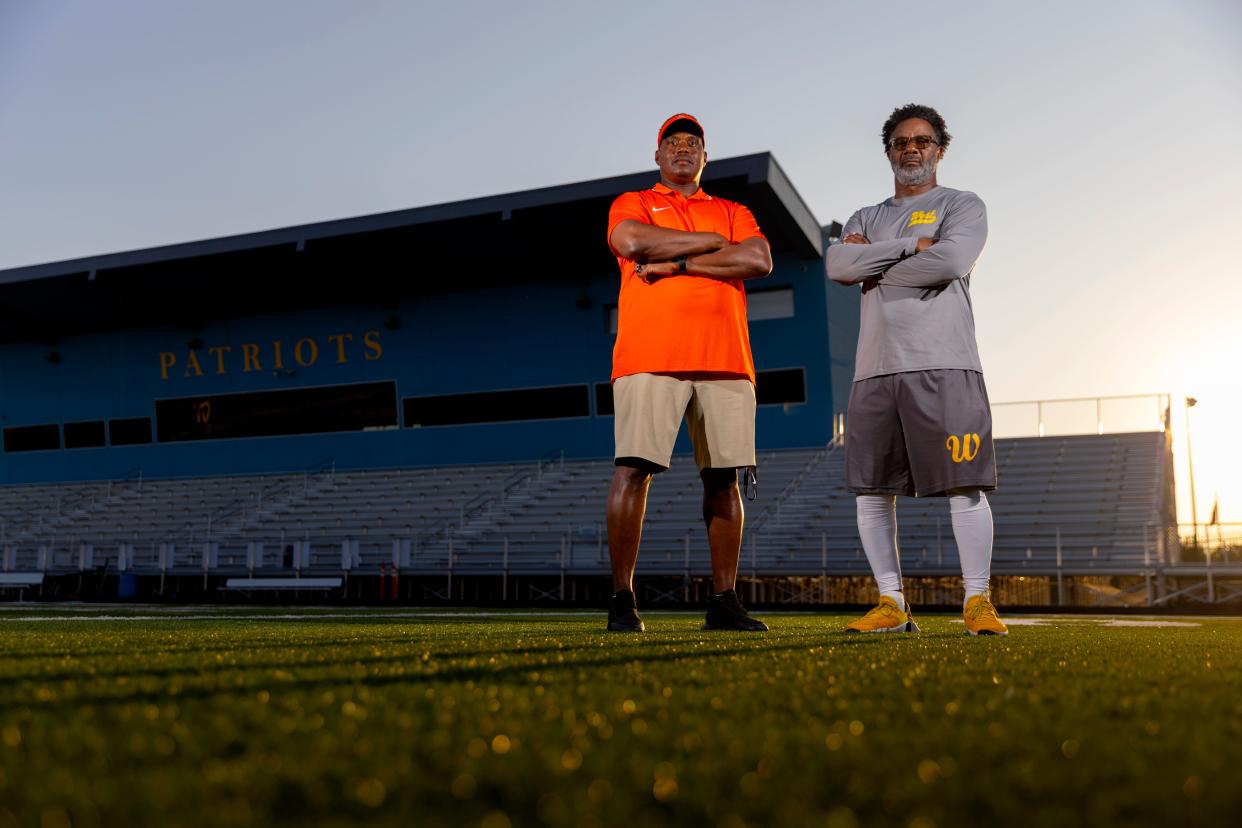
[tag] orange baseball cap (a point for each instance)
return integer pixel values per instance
(681, 122)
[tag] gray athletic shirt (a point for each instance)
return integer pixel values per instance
(918, 316)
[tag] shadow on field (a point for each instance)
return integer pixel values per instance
(223, 648)
(477, 674)
(836, 637)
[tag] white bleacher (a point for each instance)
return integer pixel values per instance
(28, 509)
(1101, 494)
(562, 522)
(1097, 497)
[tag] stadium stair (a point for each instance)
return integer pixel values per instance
(1100, 497)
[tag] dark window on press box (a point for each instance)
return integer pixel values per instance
(329, 409)
(603, 399)
(84, 435)
(131, 431)
(498, 406)
(787, 385)
(32, 438)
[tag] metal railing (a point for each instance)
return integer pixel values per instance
(486, 501)
(1082, 415)
(1154, 565)
(1211, 542)
(228, 521)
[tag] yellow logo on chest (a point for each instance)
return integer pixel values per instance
(921, 217)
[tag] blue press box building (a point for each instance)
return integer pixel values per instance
(453, 334)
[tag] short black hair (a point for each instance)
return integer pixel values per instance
(912, 110)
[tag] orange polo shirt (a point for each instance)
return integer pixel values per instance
(682, 324)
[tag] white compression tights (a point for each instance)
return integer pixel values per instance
(972, 529)
(877, 527)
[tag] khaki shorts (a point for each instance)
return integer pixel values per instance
(720, 414)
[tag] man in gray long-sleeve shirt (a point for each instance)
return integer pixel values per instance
(919, 422)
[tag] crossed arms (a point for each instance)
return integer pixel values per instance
(912, 262)
(655, 250)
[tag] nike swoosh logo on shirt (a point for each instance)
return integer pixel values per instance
(658, 209)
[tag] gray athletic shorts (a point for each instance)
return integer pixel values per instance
(720, 414)
(919, 433)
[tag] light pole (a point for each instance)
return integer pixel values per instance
(1190, 462)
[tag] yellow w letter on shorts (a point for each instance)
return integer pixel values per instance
(964, 448)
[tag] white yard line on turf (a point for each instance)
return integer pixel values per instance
(296, 617)
(1020, 621)
(1130, 622)
(201, 609)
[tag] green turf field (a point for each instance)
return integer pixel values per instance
(188, 717)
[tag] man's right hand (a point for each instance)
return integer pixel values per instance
(654, 271)
(923, 244)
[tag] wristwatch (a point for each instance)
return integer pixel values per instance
(681, 264)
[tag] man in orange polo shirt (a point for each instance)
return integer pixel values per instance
(682, 351)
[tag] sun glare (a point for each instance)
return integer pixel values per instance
(1211, 376)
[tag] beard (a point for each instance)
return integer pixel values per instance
(915, 176)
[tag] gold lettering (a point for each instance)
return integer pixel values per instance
(191, 364)
(167, 360)
(971, 455)
(340, 340)
(375, 349)
(954, 446)
(314, 352)
(305, 353)
(250, 357)
(961, 449)
(218, 351)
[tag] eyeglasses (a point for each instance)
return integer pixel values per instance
(920, 141)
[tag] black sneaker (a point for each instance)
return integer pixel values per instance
(623, 613)
(725, 612)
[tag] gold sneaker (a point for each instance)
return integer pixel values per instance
(981, 617)
(885, 617)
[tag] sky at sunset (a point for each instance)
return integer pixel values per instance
(1100, 135)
